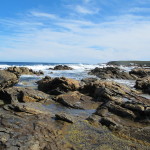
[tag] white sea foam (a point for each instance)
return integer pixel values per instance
(79, 72)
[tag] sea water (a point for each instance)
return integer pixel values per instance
(79, 72)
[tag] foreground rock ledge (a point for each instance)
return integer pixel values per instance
(31, 127)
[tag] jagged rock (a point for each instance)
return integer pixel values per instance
(23, 71)
(108, 122)
(64, 117)
(127, 119)
(111, 72)
(20, 94)
(62, 67)
(77, 100)
(143, 84)
(130, 110)
(140, 72)
(120, 111)
(108, 90)
(7, 79)
(56, 86)
(134, 107)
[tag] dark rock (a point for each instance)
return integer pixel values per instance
(143, 84)
(77, 100)
(18, 94)
(24, 70)
(108, 90)
(29, 127)
(130, 110)
(140, 72)
(111, 72)
(7, 79)
(56, 86)
(62, 67)
(64, 117)
(120, 111)
(108, 122)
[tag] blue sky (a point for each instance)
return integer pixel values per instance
(89, 31)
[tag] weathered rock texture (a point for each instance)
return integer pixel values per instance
(7, 79)
(58, 86)
(28, 127)
(23, 71)
(111, 72)
(77, 100)
(140, 72)
(143, 84)
(62, 67)
(18, 94)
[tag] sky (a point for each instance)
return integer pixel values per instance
(74, 31)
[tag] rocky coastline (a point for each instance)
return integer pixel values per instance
(68, 114)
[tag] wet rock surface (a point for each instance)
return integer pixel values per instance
(23, 128)
(62, 67)
(112, 72)
(56, 86)
(7, 79)
(121, 120)
(128, 119)
(23, 71)
(143, 84)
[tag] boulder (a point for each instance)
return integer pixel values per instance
(111, 72)
(64, 117)
(62, 67)
(23, 71)
(20, 94)
(140, 72)
(143, 84)
(77, 100)
(104, 90)
(132, 111)
(7, 79)
(56, 86)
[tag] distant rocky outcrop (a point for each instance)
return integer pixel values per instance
(7, 79)
(129, 63)
(56, 86)
(111, 72)
(23, 71)
(61, 67)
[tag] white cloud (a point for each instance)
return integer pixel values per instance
(42, 14)
(84, 10)
(122, 38)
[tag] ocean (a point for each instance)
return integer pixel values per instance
(79, 72)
